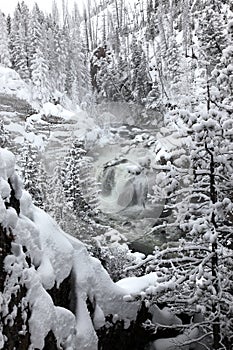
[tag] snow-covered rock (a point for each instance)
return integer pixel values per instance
(7, 163)
(12, 84)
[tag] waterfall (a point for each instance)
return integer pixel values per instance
(134, 192)
(108, 181)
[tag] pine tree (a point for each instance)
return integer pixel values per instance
(79, 192)
(59, 57)
(57, 204)
(4, 50)
(139, 76)
(19, 41)
(71, 179)
(173, 69)
(40, 77)
(4, 136)
(211, 33)
(223, 75)
(108, 78)
(33, 173)
(186, 26)
(151, 23)
(142, 85)
(35, 35)
(78, 82)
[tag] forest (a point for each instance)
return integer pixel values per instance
(116, 176)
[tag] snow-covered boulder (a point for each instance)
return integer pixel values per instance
(12, 84)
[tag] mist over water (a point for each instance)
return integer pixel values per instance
(123, 168)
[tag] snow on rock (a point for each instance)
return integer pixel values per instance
(111, 236)
(7, 163)
(56, 253)
(46, 272)
(99, 318)
(10, 218)
(95, 282)
(54, 245)
(86, 337)
(12, 84)
(26, 205)
(135, 285)
(42, 311)
(17, 185)
(14, 264)
(5, 189)
(2, 210)
(50, 109)
(133, 169)
(65, 329)
(27, 235)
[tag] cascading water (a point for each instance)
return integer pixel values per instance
(124, 188)
(126, 177)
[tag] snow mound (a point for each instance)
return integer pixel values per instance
(134, 285)
(12, 84)
(50, 109)
(7, 163)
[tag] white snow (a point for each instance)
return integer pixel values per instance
(65, 329)
(10, 218)
(99, 318)
(135, 285)
(5, 189)
(50, 109)
(54, 245)
(7, 163)
(12, 84)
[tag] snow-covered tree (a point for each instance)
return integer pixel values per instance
(197, 182)
(223, 75)
(71, 179)
(108, 78)
(36, 22)
(4, 136)
(78, 82)
(33, 173)
(4, 49)
(19, 40)
(58, 205)
(210, 32)
(140, 80)
(40, 77)
(151, 23)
